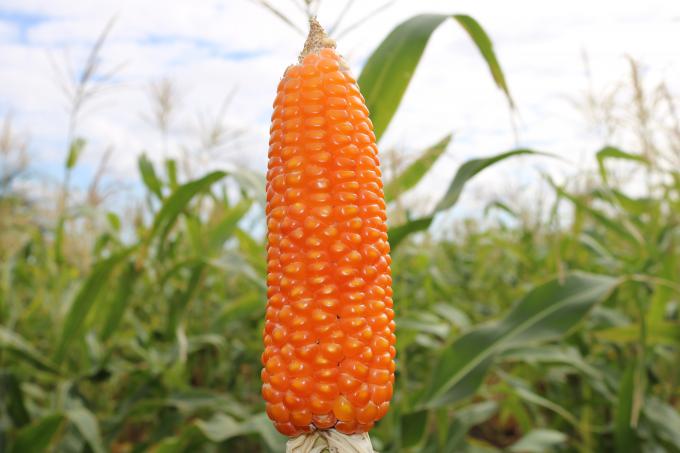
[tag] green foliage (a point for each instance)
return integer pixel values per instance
(411, 175)
(464, 174)
(36, 438)
(624, 434)
(74, 152)
(525, 337)
(85, 300)
(149, 178)
(388, 71)
(546, 313)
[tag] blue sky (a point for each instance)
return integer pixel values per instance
(22, 20)
(213, 49)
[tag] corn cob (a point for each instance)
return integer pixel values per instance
(329, 330)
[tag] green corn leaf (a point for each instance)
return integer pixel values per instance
(466, 172)
(74, 151)
(412, 174)
(59, 240)
(149, 177)
(261, 425)
(453, 430)
(178, 201)
(171, 173)
(398, 233)
(598, 249)
(624, 434)
(390, 68)
(252, 251)
(659, 332)
(86, 423)
(16, 344)
(195, 400)
(413, 428)
(547, 312)
(36, 437)
(485, 47)
(539, 441)
(664, 420)
(252, 182)
(116, 307)
(624, 230)
(189, 438)
(245, 307)
(220, 428)
(663, 294)
(552, 354)
(610, 152)
(472, 168)
(194, 229)
(114, 220)
(13, 399)
(181, 300)
(499, 205)
(634, 206)
(226, 226)
(538, 400)
(85, 299)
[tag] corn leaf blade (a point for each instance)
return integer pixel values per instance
(15, 343)
(389, 69)
(464, 174)
(624, 435)
(178, 201)
(413, 428)
(13, 403)
(485, 47)
(538, 441)
(412, 174)
(74, 151)
(663, 418)
(400, 232)
(225, 228)
(121, 298)
(624, 230)
(36, 437)
(472, 168)
(547, 312)
(88, 426)
(610, 152)
(85, 299)
(149, 177)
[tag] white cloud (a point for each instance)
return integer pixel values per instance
(8, 31)
(212, 47)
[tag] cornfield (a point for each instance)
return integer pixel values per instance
(552, 327)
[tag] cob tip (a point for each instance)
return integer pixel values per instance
(321, 441)
(316, 40)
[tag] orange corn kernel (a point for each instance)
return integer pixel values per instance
(329, 334)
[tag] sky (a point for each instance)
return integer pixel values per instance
(226, 56)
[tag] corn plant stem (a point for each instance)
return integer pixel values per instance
(586, 420)
(640, 371)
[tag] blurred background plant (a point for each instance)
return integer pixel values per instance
(553, 326)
